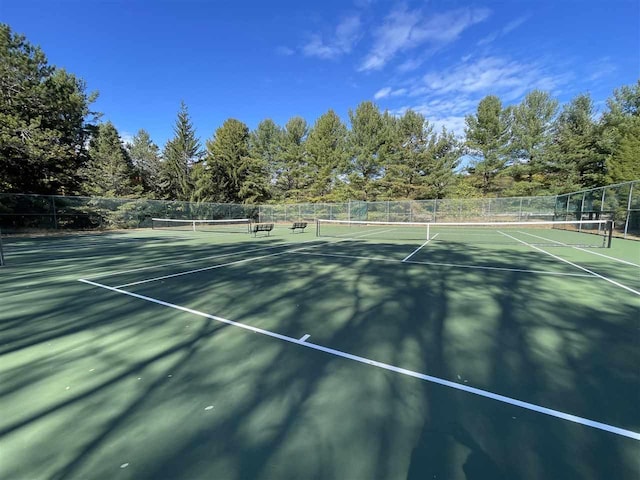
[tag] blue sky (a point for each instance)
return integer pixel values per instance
(256, 60)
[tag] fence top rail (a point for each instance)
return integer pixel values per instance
(613, 185)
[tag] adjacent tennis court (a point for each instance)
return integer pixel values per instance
(353, 350)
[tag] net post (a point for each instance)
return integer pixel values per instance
(428, 234)
(317, 227)
(194, 226)
(610, 235)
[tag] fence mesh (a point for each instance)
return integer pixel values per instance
(621, 203)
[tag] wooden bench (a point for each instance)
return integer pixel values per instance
(261, 227)
(298, 226)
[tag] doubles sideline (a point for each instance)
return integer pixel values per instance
(385, 366)
(607, 279)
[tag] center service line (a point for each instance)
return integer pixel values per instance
(418, 249)
(385, 366)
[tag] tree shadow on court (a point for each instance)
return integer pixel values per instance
(285, 411)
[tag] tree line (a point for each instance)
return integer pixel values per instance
(51, 142)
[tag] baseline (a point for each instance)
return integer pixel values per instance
(618, 284)
(385, 366)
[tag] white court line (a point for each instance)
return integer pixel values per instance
(583, 249)
(618, 284)
(182, 262)
(418, 249)
(213, 267)
(304, 337)
(455, 265)
(403, 371)
(244, 260)
(110, 274)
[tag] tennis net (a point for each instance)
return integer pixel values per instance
(584, 233)
(235, 225)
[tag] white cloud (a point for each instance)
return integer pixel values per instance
(382, 93)
(409, 65)
(446, 96)
(340, 42)
(405, 29)
(389, 92)
(507, 78)
(601, 68)
(284, 51)
(509, 27)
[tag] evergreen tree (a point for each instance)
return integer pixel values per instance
(109, 172)
(620, 135)
(574, 159)
(423, 162)
(370, 133)
(532, 121)
(145, 157)
(408, 157)
(326, 149)
(265, 145)
(43, 109)
(233, 175)
(291, 169)
(180, 153)
(445, 152)
(487, 134)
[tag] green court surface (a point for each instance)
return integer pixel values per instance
(198, 355)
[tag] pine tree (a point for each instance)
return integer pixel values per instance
(180, 153)
(109, 172)
(232, 174)
(574, 159)
(265, 145)
(370, 133)
(423, 162)
(620, 134)
(43, 128)
(326, 149)
(145, 157)
(532, 122)
(292, 176)
(487, 134)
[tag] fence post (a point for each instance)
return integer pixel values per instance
(55, 216)
(388, 218)
(626, 223)
(435, 210)
(581, 210)
(1, 252)
(520, 211)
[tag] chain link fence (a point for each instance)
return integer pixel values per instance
(441, 210)
(20, 213)
(621, 203)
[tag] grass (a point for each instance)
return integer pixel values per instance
(98, 384)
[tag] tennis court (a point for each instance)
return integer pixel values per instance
(349, 351)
